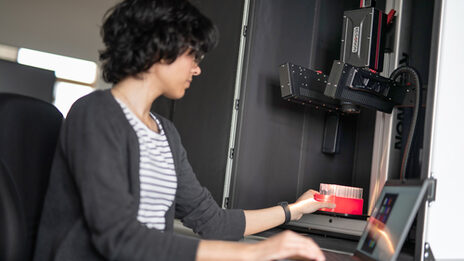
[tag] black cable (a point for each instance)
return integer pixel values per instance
(416, 81)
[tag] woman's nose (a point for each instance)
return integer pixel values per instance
(196, 70)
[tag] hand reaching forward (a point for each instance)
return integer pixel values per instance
(285, 245)
(306, 204)
(288, 245)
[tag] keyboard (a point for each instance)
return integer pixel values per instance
(333, 256)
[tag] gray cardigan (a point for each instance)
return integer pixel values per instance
(90, 210)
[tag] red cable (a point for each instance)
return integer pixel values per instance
(390, 16)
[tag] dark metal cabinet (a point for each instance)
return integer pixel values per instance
(278, 146)
(277, 152)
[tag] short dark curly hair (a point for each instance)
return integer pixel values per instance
(139, 33)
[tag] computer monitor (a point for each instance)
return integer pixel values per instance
(391, 219)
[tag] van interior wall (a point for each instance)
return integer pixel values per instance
(64, 27)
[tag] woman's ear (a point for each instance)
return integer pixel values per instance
(152, 67)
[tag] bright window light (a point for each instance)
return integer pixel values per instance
(65, 67)
(67, 93)
(8, 53)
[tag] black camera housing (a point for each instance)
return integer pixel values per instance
(360, 86)
(305, 86)
(363, 38)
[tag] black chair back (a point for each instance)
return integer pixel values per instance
(29, 130)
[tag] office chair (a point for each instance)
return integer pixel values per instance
(29, 130)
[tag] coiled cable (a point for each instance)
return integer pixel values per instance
(414, 76)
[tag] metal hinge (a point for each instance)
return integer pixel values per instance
(245, 29)
(231, 153)
(432, 189)
(226, 202)
(428, 255)
(237, 104)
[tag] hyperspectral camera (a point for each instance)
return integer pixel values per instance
(354, 80)
(360, 86)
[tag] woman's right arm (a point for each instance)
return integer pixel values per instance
(283, 245)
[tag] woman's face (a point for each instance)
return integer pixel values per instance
(176, 77)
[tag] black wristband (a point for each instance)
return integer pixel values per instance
(288, 215)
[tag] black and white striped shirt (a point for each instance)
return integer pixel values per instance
(158, 180)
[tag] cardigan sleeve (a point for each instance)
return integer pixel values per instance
(194, 204)
(96, 147)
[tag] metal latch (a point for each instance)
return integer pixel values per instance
(431, 190)
(237, 104)
(226, 202)
(231, 153)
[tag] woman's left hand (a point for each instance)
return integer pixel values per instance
(306, 204)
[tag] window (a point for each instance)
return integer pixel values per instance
(67, 93)
(74, 77)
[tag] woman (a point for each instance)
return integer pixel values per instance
(120, 173)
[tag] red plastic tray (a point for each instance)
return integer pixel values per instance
(350, 206)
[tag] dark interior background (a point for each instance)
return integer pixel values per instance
(278, 144)
(203, 116)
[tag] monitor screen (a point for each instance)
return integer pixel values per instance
(390, 221)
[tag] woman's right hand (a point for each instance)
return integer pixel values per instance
(286, 245)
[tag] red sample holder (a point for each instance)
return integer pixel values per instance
(350, 206)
